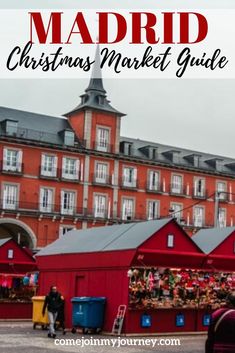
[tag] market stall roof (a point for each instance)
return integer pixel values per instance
(103, 239)
(14, 258)
(209, 239)
(3, 241)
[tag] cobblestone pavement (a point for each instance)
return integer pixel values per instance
(21, 338)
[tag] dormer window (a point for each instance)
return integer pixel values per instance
(216, 163)
(69, 138)
(173, 156)
(193, 159)
(149, 151)
(126, 148)
(11, 127)
(101, 100)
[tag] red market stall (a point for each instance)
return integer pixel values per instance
(152, 267)
(18, 277)
(219, 246)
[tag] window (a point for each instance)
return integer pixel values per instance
(49, 165)
(70, 168)
(221, 189)
(10, 254)
(199, 187)
(153, 209)
(198, 216)
(196, 161)
(67, 202)
(222, 217)
(46, 199)
(127, 209)
(153, 180)
(10, 196)
(69, 138)
(63, 230)
(101, 172)
(129, 177)
(12, 160)
(177, 181)
(177, 213)
(100, 206)
(11, 127)
(102, 139)
(170, 241)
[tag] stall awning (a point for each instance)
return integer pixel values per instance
(159, 258)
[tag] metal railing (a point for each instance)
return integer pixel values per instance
(157, 187)
(11, 169)
(177, 190)
(104, 180)
(200, 194)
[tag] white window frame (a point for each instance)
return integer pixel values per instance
(222, 196)
(10, 201)
(129, 176)
(103, 141)
(45, 170)
(128, 211)
(46, 206)
(198, 219)
(222, 219)
(153, 180)
(66, 168)
(197, 192)
(100, 205)
(8, 163)
(177, 214)
(101, 172)
(71, 203)
(170, 241)
(152, 209)
(176, 186)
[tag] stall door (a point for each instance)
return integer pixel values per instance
(81, 286)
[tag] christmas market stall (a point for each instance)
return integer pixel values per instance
(18, 280)
(154, 268)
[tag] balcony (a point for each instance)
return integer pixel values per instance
(70, 177)
(223, 196)
(129, 185)
(177, 190)
(200, 194)
(104, 180)
(156, 188)
(16, 169)
(102, 147)
(48, 174)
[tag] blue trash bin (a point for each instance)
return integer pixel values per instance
(88, 313)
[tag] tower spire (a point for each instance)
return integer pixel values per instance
(96, 82)
(94, 96)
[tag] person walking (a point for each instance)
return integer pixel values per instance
(53, 302)
(221, 332)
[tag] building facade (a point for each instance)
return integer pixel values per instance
(77, 172)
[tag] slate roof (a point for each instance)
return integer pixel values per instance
(36, 127)
(4, 241)
(208, 239)
(107, 238)
(205, 161)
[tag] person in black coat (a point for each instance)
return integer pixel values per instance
(53, 303)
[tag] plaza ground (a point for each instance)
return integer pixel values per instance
(20, 337)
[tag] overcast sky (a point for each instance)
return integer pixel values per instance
(194, 114)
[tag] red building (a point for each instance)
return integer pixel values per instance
(78, 172)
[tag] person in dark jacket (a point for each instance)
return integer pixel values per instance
(221, 333)
(53, 303)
